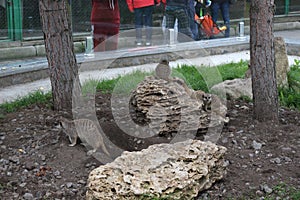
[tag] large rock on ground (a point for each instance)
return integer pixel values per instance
(235, 88)
(168, 108)
(174, 171)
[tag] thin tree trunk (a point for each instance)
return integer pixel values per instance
(60, 53)
(262, 60)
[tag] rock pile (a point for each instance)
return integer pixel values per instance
(173, 171)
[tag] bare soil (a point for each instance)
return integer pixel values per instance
(37, 163)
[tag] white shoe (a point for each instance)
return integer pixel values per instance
(148, 43)
(138, 44)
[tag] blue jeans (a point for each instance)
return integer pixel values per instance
(224, 7)
(143, 16)
(193, 24)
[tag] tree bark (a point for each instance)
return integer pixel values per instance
(262, 60)
(59, 46)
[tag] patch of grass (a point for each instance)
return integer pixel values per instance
(127, 83)
(122, 84)
(203, 77)
(89, 86)
(107, 86)
(290, 96)
(192, 77)
(284, 191)
(37, 97)
(233, 70)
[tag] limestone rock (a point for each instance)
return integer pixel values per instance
(175, 171)
(167, 107)
(281, 62)
(235, 88)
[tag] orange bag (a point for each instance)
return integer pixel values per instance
(208, 26)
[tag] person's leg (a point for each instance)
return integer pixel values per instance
(214, 11)
(99, 37)
(170, 21)
(111, 42)
(148, 23)
(226, 17)
(191, 15)
(184, 25)
(138, 18)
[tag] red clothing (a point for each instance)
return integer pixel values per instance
(132, 4)
(105, 18)
(105, 11)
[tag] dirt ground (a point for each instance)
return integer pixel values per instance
(37, 163)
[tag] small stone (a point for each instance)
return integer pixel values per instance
(226, 163)
(139, 142)
(43, 157)
(244, 108)
(266, 189)
(231, 129)
(28, 196)
(259, 193)
(275, 160)
(82, 182)
(23, 185)
(256, 145)
(286, 149)
(225, 140)
(4, 161)
(14, 159)
(287, 159)
(88, 165)
(29, 166)
(234, 142)
(69, 184)
(56, 173)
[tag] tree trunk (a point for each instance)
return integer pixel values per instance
(262, 60)
(60, 53)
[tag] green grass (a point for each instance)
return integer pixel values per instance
(284, 191)
(37, 97)
(127, 83)
(198, 78)
(290, 96)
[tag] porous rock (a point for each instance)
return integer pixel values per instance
(167, 107)
(175, 171)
